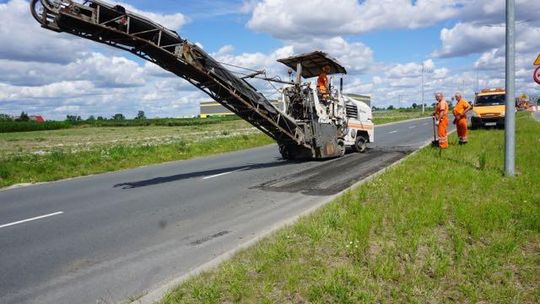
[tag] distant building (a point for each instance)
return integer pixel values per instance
(37, 118)
(212, 108)
(363, 98)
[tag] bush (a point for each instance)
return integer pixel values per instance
(27, 126)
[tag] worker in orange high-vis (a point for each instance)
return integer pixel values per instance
(460, 118)
(322, 81)
(441, 115)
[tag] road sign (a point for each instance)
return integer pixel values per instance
(537, 62)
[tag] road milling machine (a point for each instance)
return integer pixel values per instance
(307, 126)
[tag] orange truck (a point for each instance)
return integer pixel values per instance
(489, 108)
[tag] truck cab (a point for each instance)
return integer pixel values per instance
(360, 128)
(489, 108)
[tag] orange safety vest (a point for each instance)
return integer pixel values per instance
(441, 112)
(461, 119)
(322, 83)
(459, 109)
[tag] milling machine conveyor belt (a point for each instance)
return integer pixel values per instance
(114, 26)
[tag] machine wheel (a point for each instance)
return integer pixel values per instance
(341, 147)
(36, 7)
(286, 152)
(293, 152)
(360, 145)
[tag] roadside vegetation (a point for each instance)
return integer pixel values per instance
(438, 228)
(24, 124)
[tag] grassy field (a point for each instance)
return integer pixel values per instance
(382, 117)
(438, 228)
(39, 156)
(88, 138)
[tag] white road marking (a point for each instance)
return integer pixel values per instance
(412, 127)
(221, 174)
(392, 132)
(425, 124)
(31, 219)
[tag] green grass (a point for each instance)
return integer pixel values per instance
(60, 164)
(438, 228)
(87, 138)
(383, 117)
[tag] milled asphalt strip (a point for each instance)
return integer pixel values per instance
(31, 219)
(157, 294)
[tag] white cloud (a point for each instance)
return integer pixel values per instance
(102, 70)
(413, 70)
(493, 11)
(355, 56)
(24, 40)
(490, 60)
(56, 73)
(296, 19)
(106, 71)
(468, 38)
(64, 89)
(67, 109)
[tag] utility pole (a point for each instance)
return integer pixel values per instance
(510, 117)
(423, 108)
(477, 82)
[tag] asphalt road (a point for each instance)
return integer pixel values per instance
(115, 236)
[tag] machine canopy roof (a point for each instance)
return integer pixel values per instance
(313, 62)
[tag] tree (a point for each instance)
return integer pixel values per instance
(91, 118)
(119, 116)
(140, 115)
(414, 105)
(73, 118)
(390, 107)
(100, 118)
(5, 117)
(23, 117)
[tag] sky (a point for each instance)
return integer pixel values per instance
(382, 43)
